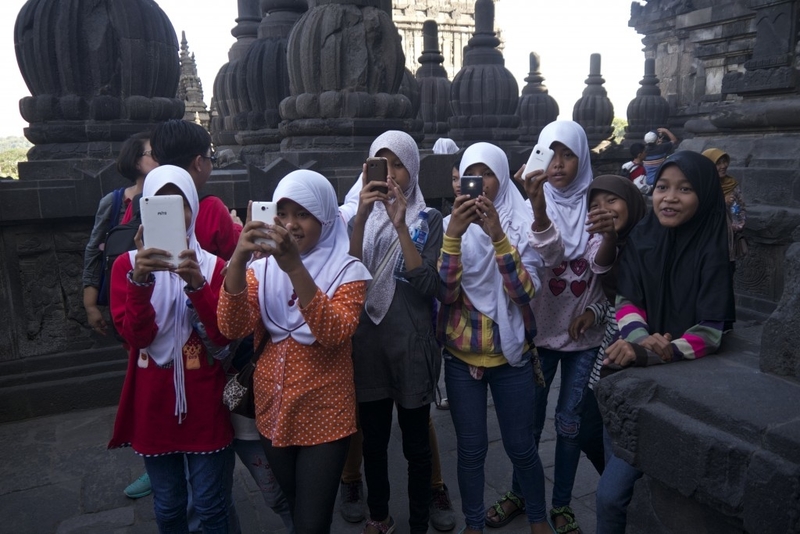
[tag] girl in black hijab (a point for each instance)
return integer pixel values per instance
(674, 294)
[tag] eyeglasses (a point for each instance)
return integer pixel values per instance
(146, 153)
(212, 157)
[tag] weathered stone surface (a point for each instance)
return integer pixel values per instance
(594, 110)
(780, 353)
(434, 86)
(707, 431)
(649, 110)
(536, 108)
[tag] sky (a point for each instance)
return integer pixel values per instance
(564, 33)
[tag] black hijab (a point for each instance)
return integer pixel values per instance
(681, 276)
(624, 189)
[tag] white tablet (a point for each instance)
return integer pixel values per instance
(164, 225)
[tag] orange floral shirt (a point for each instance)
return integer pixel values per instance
(304, 394)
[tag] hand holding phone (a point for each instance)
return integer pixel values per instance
(472, 186)
(164, 225)
(539, 159)
(377, 171)
(266, 213)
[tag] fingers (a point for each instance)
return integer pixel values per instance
(137, 239)
(249, 212)
(518, 174)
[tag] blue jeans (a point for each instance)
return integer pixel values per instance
(252, 455)
(170, 496)
(513, 400)
(614, 492)
(575, 370)
(233, 518)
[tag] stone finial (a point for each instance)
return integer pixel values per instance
(536, 107)
(649, 110)
(484, 94)
(594, 111)
(134, 74)
(346, 65)
(246, 29)
(434, 85)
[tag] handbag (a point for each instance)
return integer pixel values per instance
(238, 393)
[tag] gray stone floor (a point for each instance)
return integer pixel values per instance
(57, 476)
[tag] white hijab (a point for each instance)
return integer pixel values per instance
(328, 263)
(567, 207)
(168, 298)
(379, 233)
(444, 145)
(481, 279)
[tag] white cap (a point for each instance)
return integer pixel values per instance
(650, 137)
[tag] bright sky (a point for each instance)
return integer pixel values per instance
(564, 33)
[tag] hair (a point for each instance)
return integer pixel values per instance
(636, 149)
(179, 142)
(723, 157)
(129, 155)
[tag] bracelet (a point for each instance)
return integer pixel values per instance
(151, 279)
(189, 289)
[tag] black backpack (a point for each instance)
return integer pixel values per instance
(119, 240)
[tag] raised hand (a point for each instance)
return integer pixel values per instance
(147, 260)
(489, 219)
(464, 213)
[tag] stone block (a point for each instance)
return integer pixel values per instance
(779, 349)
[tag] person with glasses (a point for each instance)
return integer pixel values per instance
(134, 162)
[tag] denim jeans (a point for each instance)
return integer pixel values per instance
(252, 455)
(614, 492)
(193, 519)
(170, 495)
(575, 369)
(513, 399)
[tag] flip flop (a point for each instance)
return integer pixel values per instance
(504, 517)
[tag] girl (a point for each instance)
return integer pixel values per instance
(306, 295)
(566, 334)
(399, 307)
(488, 278)
(170, 408)
(674, 293)
(734, 202)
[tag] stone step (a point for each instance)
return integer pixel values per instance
(53, 384)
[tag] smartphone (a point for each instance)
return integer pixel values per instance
(265, 212)
(377, 171)
(539, 159)
(472, 186)
(164, 225)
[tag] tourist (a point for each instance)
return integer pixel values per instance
(488, 279)
(634, 168)
(306, 294)
(444, 145)
(734, 201)
(674, 294)
(656, 151)
(170, 410)
(395, 355)
(135, 160)
(566, 333)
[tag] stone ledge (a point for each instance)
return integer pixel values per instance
(717, 431)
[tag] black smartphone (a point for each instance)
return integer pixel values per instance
(472, 186)
(377, 171)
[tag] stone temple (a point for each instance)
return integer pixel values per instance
(719, 441)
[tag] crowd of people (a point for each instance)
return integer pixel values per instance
(351, 312)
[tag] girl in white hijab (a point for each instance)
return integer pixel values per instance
(395, 353)
(306, 295)
(567, 333)
(488, 279)
(170, 404)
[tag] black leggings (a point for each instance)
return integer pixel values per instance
(309, 477)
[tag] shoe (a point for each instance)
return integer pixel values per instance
(571, 526)
(443, 404)
(441, 510)
(139, 488)
(504, 517)
(351, 501)
(382, 528)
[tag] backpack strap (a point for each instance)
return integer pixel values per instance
(116, 206)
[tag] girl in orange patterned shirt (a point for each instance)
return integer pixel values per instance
(306, 294)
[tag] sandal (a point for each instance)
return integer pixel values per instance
(503, 516)
(380, 527)
(566, 512)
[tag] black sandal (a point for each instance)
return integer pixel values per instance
(505, 517)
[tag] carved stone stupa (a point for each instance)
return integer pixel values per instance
(190, 88)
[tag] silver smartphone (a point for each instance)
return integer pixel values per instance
(266, 213)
